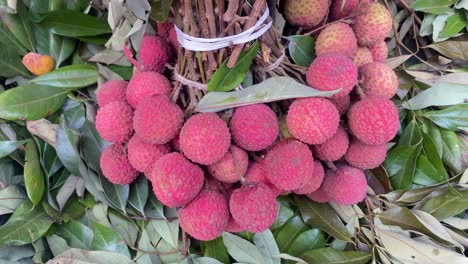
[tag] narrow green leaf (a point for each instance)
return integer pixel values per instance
(73, 76)
(286, 235)
(160, 9)
(401, 165)
(330, 255)
(433, 6)
(74, 24)
(453, 154)
(9, 40)
(105, 238)
(20, 26)
(95, 257)
(310, 239)
(454, 49)
(215, 249)
(139, 194)
(116, 193)
(7, 147)
(241, 250)
(33, 175)
(445, 206)
(267, 246)
(11, 198)
(76, 234)
(411, 135)
(452, 118)
(67, 149)
(10, 63)
(442, 94)
(455, 24)
(302, 49)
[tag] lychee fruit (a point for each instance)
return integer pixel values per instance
(114, 122)
(372, 24)
(334, 148)
(232, 167)
(154, 53)
(254, 207)
(144, 84)
(336, 38)
(343, 8)
(312, 120)
(205, 138)
(332, 71)
(346, 185)
(143, 155)
(254, 127)
(206, 217)
(378, 79)
(364, 156)
(315, 181)
(256, 173)
(374, 120)
(305, 13)
(341, 103)
(362, 57)
(233, 226)
(176, 181)
(379, 51)
(157, 120)
(115, 165)
(111, 91)
(164, 28)
(289, 165)
(319, 196)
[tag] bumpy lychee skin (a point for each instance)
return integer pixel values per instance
(232, 167)
(157, 120)
(144, 84)
(365, 156)
(254, 127)
(305, 13)
(379, 51)
(289, 165)
(334, 148)
(374, 120)
(315, 181)
(312, 120)
(362, 57)
(206, 217)
(176, 181)
(332, 71)
(154, 53)
(115, 165)
(143, 155)
(341, 103)
(319, 196)
(111, 91)
(254, 208)
(205, 138)
(373, 24)
(336, 38)
(233, 226)
(378, 79)
(341, 10)
(256, 173)
(347, 185)
(114, 122)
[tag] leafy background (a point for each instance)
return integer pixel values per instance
(55, 206)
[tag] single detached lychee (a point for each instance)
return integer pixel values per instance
(157, 120)
(332, 71)
(334, 148)
(111, 91)
(346, 185)
(144, 84)
(374, 120)
(341, 103)
(319, 196)
(315, 181)
(176, 181)
(362, 57)
(254, 127)
(379, 51)
(254, 207)
(256, 173)
(344, 8)
(305, 13)
(142, 155)
(289, 165)
(205, 138)
(378, 79)
(114, 122)
(336, 38)
(312, 120)
(232, 167)
(154, 53)
(372, 24)
(115, 165)
(206, 217)
(364, 156)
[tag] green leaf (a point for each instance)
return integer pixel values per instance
(430, 150)
(67, 148)
(116, 193)
(241, 250)
(31, 102)
(20, 26)
(160, 9)
(302, 49)
(139, 194)
(73, 76)
(10, 63)
(215, 249)
(322, 216)
(270, 90)
(442, 94)
(284, 214)
(80, 256)
(433, 6)
(7, 147)
(426, 174)
(287, 234)
(330, 255)
(454, 49)
(11, 198)
(455, 24)
(74, 24)
(27, 224)
(452, 118)
(411, 135)
(267, 246)
(445, 206)
(105, 238)
(127, 229)
(401, 165)
(7, 39)
(310, 239)
(168, 230)
(76, 234)
(33, 175)
(226, 79)
(453, 154)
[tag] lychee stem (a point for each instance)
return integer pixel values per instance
(331, 165)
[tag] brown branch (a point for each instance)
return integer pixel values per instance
(231, 11)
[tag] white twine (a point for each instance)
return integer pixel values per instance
(206, 44)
